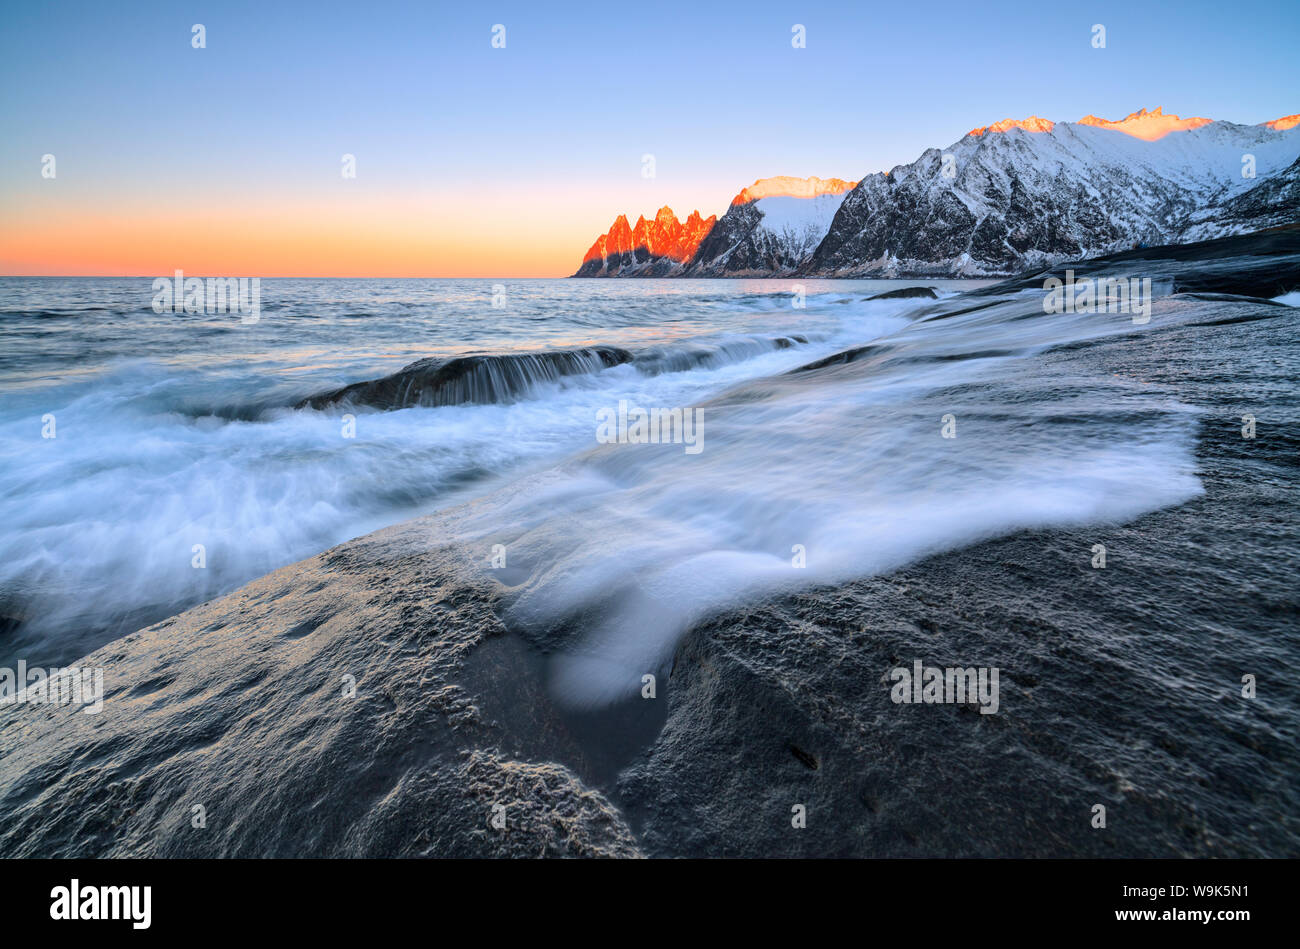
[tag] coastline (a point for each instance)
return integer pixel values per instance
(1120, 687)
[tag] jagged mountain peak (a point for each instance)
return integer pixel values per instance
(646, 244)
(1147, 125)
(1031, 124)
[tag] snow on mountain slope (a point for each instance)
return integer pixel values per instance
(766, 237)
(784, 186)
(799, 223)
(1145, 125)
(1272, 203)
(1014, 199)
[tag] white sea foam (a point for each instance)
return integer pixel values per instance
(634, 544)
(100, 522)
(641, 541)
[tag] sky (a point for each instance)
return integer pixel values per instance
(477, 161)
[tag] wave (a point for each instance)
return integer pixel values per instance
(710, 355)
(502, 378)
(153, 458)
(470, 380)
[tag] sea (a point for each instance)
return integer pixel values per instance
(130, 437)
(1097, 505)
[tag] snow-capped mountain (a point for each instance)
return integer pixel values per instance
(771, 227)
(1022, 194)
(1016, 194)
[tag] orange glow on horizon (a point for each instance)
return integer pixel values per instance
(353, 235)
(263, 242)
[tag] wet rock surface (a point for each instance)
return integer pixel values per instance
(1264, 265)
(238, 707)
(926, 293)
(1120, 686)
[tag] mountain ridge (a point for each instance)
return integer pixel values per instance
(1015, 194)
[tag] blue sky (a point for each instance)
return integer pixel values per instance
(563, 114)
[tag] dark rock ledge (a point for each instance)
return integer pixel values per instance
(237, 706)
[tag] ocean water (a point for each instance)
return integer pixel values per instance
(176, 430)
(826, 532)
(957, 423)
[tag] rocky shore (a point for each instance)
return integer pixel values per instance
(376, 699)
